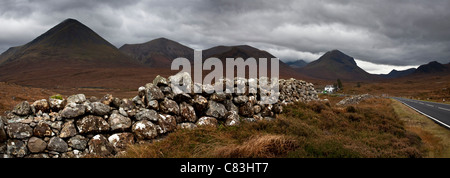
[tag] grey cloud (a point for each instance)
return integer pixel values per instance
(403, 32)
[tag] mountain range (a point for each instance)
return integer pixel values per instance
(72, 51)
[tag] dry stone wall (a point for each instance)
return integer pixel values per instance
(78, 126)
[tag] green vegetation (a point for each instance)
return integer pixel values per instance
(315, 130)
(57, 96)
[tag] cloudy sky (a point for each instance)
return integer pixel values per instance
(381, 34)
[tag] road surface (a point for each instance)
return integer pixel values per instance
(438, 112)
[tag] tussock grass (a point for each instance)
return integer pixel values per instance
(370, 129)
(436, 138)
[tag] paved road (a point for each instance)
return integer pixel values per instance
(439, 112)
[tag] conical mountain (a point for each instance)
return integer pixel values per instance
(158, 52)
(70, 43)
(336, 65)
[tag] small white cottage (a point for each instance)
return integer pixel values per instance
(329, 88)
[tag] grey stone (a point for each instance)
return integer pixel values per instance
(167, 123)
(169, 107)
(240, 99)
(186, 125)
(68, 130)
(147, 114)
(120, 141)
(144, 130)
(57, 144)
(152, 92)
(119, 122)
(73, 110)
(100, 109)
(78, 142)
(207, 121)
(78, 99)
(200, 103)
(16, 148)
(232, 119)
(107, 99)
(19, 130)
(56, 104)
(22, 109)
(216, 110)
(187, 113)
(100, 146)
(160, 81)
(92, 124)
(41, 105)
(42, 129)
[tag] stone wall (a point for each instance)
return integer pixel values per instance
(77, 126)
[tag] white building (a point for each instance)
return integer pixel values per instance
(329, 89)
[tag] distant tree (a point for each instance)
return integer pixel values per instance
(358, 84)
(339, 83)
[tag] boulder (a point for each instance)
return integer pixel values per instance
(147, 114)
(200, 103)
(119, 122)
(57, 144)
(167, 123)
(187, 113)
(207, 121)
(216, 110)
(42, 129)
(240, 99)
(232, 119)
(144, 130)
(73, 110)
(152, 92)
(169, 107)
(56, 104)
(153, 104)
(246, 109)
(160, 81)
(186, 125)
(100, 146)
(22, 109)
(229, 105)
(78, 142)
(107, 99)
(78, 99)
(3, 136)
(68, 130)
(41, 105)
(127, 104)
(19, 130)
(16, 148)
(36, 145)
(121, 140)
(181, 82)
(218, 97)
(92, 124)
(100, 109)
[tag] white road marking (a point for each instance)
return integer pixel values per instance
(444, 109)
(429, 105)
(425, 114)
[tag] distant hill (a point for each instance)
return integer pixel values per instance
(68, 43)
(158, 52)
(432, 68)
(245, 52)
(398, 73)
(297, 64)
(69, 54)
(336, 65)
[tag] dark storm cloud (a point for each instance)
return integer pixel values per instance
(402, 32)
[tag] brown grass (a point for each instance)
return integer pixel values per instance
(369, 130)
(260, 146)
(436, 138)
